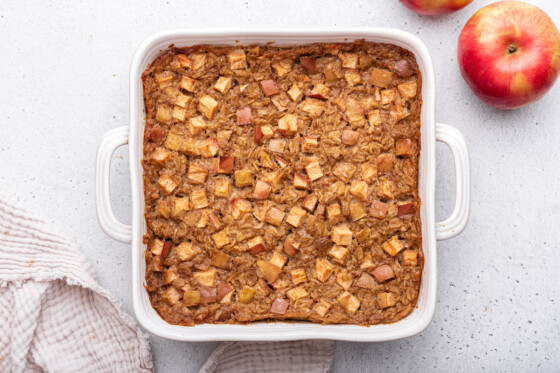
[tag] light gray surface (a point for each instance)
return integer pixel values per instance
(64, 83)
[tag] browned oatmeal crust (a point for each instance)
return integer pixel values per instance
(281, 183)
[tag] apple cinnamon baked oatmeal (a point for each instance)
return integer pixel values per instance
(281, 183)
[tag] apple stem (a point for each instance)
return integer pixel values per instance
(512, 48)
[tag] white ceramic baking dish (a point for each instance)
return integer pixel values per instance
(414, 323)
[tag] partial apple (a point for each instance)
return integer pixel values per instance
(509, 54)
(435, 7)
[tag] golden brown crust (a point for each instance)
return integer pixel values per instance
(266, 248)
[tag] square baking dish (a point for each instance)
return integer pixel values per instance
(431, 132)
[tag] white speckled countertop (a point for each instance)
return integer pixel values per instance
(64, 83)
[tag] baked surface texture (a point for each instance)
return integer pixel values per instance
(281, 183)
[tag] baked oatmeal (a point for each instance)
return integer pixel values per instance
(281, 183)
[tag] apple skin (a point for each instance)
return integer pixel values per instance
(435, 7)
(509, 54)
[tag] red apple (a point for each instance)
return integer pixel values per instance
(434, 7)
(509, 54)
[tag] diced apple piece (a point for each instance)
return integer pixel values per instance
(157, 133)
(214, 220)
(188, 84)
(220, 260)
(365, 281)
(409, 258)
(314, 170)
(262, 190)
(164, 78)
(310, 202)
(237, 59)
(367, 261)
(359, 189)
(323, 269)
(198, 60)
(295, 93)
(308, 64)
(349, 302)
(279, 306)
(246, 295)
(244, 116)
(263, 133)
(352, 77)
(243, 178)
(179, 113)
(405, 208)
(357, 211)
(385, 300)
(191, 298)
(297, 293)
(223, 84)
(320, 91)
(269, 87)
(198, 198)
(221, 188)
(349, 60)
(202, 220)
(224, 290)
(182, 100)
(274, 178)
(287, 125)
(298, 276)
(344, 279)
(223, 137)
(291, 247)
(408, 89)
(334, 213)
(322, 307)
(281, 161)
(167, 183)
(388, 96)
(339, 254)
(403, 147)
(240, 207)
(309, 144)
(399, 112)
(269, 271)
(296, 216)
(256, 245)
(374, 118)
(163, 113)
(226, 165)
(313, 107)
(385, 189)
(196, 125)
(379, 209)
(220, 238)
(278, 259)
(350, 137)
(208, 294)
(381, 78)
(186, 251)
(355, 112)
(171, 296)
(209, 147)
(277, 145)
(207, 106)
(301, 182)
(393, 246)
(383, 273)
(206, 278)
(342, 235)
(369, 172)
(160, 155)
(274, 216)
(183, 61)
(344, 171)
(384, 163)
(283, 67)
(157, 247)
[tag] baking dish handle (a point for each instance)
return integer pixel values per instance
(109, 223)
(457, 222)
